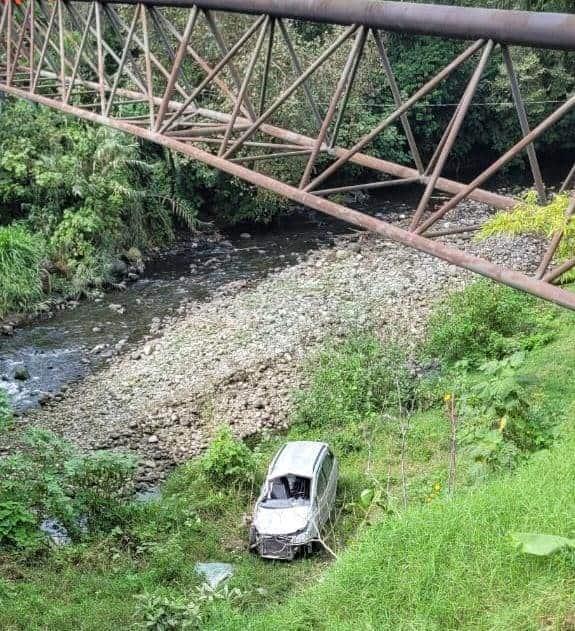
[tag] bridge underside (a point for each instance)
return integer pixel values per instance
(212, 85)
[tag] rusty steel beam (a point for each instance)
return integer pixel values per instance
(422, 92)
(222, 45)
(31, 39)
(284, 96)
(267, 64)
(245, 85)
(176, 66)
(272, 156)
(20, 42)
(204, 65)
(125, 53)
(458, 119)
(567, 181)
(524, 123)
(369, 186)
(224, 61)
(528, 28)
(80, 52)
(299, 71)
(437, 249)
(44, 45)
(553, 118)
(355, 52)
(448, 232)
(556, 273)
(398, 101)
(377, 164)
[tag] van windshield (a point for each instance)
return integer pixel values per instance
(286, 491)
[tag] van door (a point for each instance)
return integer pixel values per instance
(328, 481)
(321, 483)
(332, 482)
(330, 468)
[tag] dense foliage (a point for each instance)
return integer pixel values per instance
(86, 194)
(49, 479)
(354, 381)
(21, 257)
(228, 460)
(484, 320)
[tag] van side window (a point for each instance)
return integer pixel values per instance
(327, 465)
(321, 483)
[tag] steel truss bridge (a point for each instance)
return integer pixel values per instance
(202, 78)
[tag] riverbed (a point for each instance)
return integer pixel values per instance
(233, 351)
(47, 355)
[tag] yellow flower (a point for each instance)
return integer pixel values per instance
(447, 397)
(502, 423)
(437, 487)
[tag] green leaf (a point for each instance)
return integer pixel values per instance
(539, 544)
(366, 497)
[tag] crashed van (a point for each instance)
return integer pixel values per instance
(296, 500)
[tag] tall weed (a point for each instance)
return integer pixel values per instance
(21, 255)
(354, 381)
(485, 320)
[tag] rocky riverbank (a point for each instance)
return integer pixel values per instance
(237, 358)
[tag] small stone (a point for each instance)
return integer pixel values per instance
(245, 235)
(153, 439)
(21, 373)
(117, 308)
(148, 349)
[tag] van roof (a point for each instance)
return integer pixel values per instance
(298, 457)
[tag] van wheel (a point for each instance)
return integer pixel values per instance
(252, 539)
(311, 548)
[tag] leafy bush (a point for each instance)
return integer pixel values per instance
(36, 477)
(102, 483)
(21, 255)
(90, 192)
(49, 479)
(162, 613)
(228, 459)
(18, 526)
(484, 320)
(507, 397)
(354, 381)
(503, 419)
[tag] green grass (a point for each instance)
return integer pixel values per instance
(93, 585)
(21, 254)
(440, 564)
(449, 565)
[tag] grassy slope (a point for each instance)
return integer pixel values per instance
(444, 565)
(93, 586)
(449, 565)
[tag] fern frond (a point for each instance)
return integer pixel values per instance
(528, 217)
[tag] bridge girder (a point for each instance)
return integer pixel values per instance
(167, 71)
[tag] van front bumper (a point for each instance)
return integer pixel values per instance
(271, 547)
